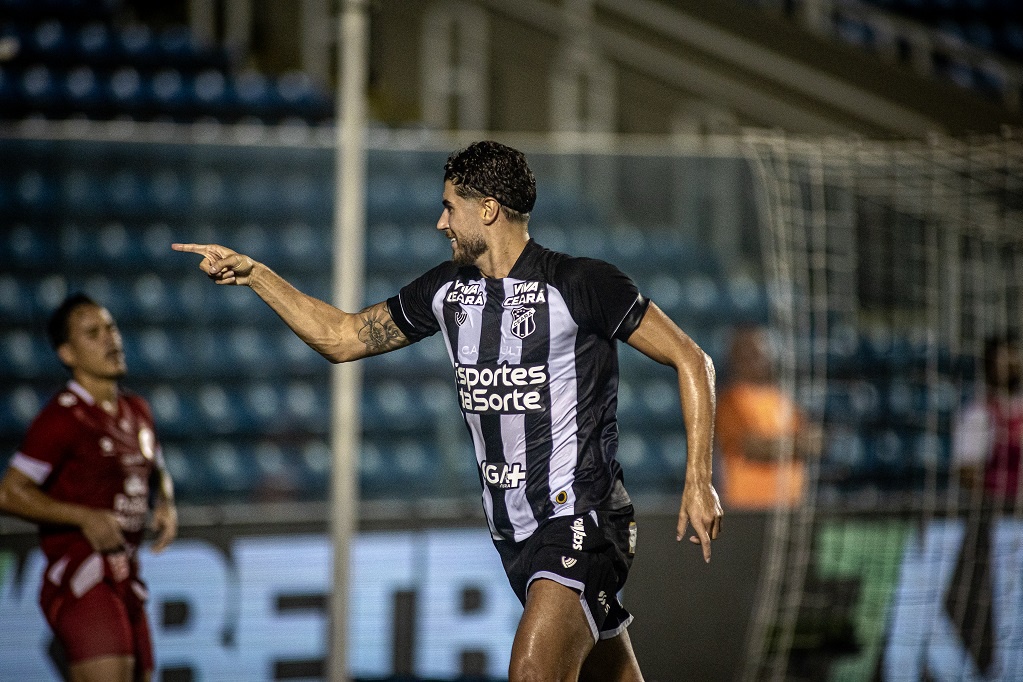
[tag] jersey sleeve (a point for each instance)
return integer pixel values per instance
(602, 298)
(46, 444)
(412, 308)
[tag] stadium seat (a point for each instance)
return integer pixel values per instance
(315, 460)
(174, 410)
(277, 474)
(192, 481)
(219, 411)
(15, 300)
(22, 356)
(22, 403)
(94, 44)
(231, 470)
(35, 192)
(307, 405)
(25, 246)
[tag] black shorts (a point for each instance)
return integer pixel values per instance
(589, 553)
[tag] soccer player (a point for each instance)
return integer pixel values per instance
(532, 335)
(83, 473)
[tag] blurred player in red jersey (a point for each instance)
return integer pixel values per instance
(83, 473)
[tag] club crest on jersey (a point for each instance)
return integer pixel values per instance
(461, 316)
(466, 293)
(523, 323)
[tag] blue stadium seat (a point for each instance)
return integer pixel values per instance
(747, 300)
(642, 461)
(94, 44)
(127, 90)
(629, 247)
(23, 356)
(21, 404)
(414, 466)
(247, 349)
(219, 411)
(211, 93)
(307, 405)
(172, 93)
(35, 192)
(278, 474)
(83, 91)
(231, 469)
(27, 246)
(931, 451)
(193, 481)
(845, 449)
(174, 410)
(315, 460)
(302, 97)
(254, 94)
(49, 42)
(136, 45)
(15, 299)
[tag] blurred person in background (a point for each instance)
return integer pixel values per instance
(83, 473)
(989, 430)
(532, 336)
(763, 436)
(986, 441)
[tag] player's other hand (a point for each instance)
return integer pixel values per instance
(102, 530)
(701, 508)
(165, 524)
(221, 264)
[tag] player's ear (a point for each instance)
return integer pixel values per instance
(66, 354)
(490, 208)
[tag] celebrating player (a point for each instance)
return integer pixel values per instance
(531, 334)
(83, 474)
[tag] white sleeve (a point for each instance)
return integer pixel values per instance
(35, 469)
(972, 437)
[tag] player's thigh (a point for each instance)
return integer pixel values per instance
(612, 660)
(96, 632)
(553, 637)
(104, 669)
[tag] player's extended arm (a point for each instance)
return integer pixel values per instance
(333, 333)
(19, 495)
(659, 338)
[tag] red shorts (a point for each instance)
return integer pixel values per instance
(108, 619)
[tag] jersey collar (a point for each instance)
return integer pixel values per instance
(80, 391)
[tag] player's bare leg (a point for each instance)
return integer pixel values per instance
(104, 669)
(553, 637)
(612, 659)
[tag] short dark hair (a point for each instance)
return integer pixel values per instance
(57, 326)
(491, 169)
(992, 344)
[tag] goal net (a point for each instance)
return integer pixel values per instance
(890, 265)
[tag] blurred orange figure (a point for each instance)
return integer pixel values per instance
(762, 434)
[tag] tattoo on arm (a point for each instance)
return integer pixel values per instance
(378, 332)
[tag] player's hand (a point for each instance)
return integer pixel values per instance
(221, 264)
(103, 531)
(701, 508)
(165, 523)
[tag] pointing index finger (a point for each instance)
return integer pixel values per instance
(191, 248)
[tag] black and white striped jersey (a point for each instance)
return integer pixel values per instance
(536, 370)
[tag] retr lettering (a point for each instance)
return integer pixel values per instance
(500, 389)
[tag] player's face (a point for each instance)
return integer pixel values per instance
(460, 222)
(93, 347)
